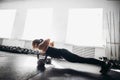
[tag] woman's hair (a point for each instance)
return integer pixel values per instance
(37, 41)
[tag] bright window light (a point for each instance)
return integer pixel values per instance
(38, 24)
(7, 18)
(85, 27)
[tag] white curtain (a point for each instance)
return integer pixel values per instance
(112, 33)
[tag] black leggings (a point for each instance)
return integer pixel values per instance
(77, 59)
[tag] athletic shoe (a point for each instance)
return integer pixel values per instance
(105, 68)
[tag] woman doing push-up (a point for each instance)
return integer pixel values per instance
(46, 48)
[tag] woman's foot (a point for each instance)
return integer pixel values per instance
(105, 68)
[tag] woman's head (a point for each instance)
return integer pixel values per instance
(36, 42)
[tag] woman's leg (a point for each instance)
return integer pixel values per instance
(77, 59)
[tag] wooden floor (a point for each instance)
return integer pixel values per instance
(24, 67)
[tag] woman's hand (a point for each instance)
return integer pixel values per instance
(51, 44)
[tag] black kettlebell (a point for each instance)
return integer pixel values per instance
(41, 65)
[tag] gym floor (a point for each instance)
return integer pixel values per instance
(24, 67)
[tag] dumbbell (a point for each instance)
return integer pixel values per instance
(41, 64)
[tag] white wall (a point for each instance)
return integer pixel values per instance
(1, 40)
(99, 52)
(60, 14)
(13, 42)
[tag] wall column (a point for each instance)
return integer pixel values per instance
(19, 24)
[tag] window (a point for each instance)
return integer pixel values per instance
(38, 24)
(85, 27)
(7, 18)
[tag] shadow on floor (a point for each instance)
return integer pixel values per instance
(23, 67)
(70, 74)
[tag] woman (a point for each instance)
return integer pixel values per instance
(46, 48)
